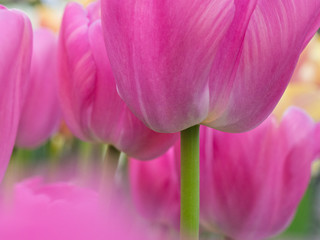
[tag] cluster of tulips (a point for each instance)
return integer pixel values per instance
(141, 76)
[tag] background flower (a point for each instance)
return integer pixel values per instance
(40, 115)
(91, 105)
(252, 190)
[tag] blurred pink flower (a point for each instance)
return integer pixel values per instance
(90, 102)
(41, 110)
(220, 63)
(317, 145)
(155, 187)
(252, 183)
(15, 57)
(64, 211)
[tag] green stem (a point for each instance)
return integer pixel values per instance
(122, 169)
(111, 159)
(227, 238)
(189, 216)
(109, 165)
(85, 161)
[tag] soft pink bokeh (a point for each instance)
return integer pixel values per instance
(37, 211)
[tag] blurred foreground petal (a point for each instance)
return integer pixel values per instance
(66, 211)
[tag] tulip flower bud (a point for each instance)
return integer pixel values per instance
(91, 105)
(15, 57)
(40, 116)
(223, 64)
(251, 191)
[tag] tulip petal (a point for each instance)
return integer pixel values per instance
(91, 104)
(227, 58)
(16, 45)
(112, 121)
(77, 70)
(41, 111)
(155, 187)
(161, 53)
(297, 131)
(252, 190)
(275, 37)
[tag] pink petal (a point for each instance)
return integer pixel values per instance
(77, 70)
(16, 45)
(155, 187)
(41, 110)
(252, 190)
(91, 104)
(224, 64)
(276, 35)
(161, 53)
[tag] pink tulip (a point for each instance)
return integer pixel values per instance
(65, 211)
(16, 46)
(155, 188)
(41, 111)
(90, 102)
(224, 64)
(250, 183)
(251, 191)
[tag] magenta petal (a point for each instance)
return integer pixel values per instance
(41, 110)
(77, 70)
(16, 46)
(227, 58)
(252, 190)
(249, 192)
(92, 107)
(277, 33)
(224, 64)
(112, 121)
(155, 187)
(161, 53)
